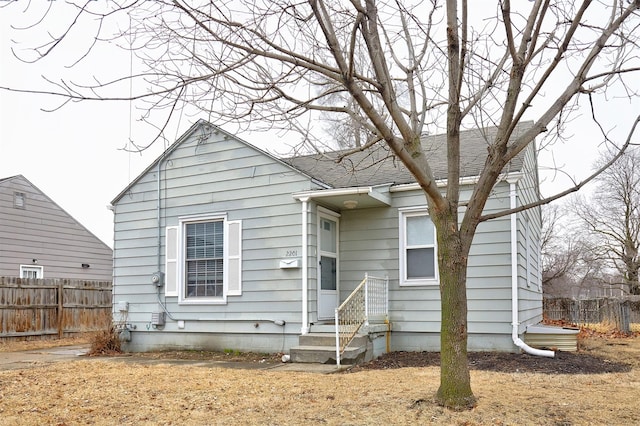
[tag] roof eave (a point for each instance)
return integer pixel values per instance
(188, 134)
(364, 196)
(467, 180)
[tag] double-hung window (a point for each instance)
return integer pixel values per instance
(203, 260)
(418, 249)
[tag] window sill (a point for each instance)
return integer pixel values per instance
(203, 301)
(419, 283)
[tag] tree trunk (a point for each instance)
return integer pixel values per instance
(633, 279)
(455, 382)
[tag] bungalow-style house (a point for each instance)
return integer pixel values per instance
(39, 239)
(220, 245)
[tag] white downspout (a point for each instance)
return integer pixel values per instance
(515, 320)
(305, 266)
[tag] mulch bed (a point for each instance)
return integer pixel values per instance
(562, 363)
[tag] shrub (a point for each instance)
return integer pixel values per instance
(105, 342)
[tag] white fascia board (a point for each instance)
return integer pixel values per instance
(470, 180)
(371, 191)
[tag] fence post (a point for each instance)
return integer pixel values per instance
(625, 325)
(60, 309)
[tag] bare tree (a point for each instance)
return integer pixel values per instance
(347, 132)
(612, 216)
(570, 264)
(560, 251)
(426, 65)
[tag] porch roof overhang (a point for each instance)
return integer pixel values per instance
(348, 198)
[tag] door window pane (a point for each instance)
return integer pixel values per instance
(328, 273)
(328, 235)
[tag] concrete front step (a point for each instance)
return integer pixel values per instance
(321, 354)
(322, 328)
(328, 339)
(330, 328)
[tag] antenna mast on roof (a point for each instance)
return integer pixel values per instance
(130, 142)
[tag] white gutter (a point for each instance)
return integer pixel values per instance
(305, 266)
(442, 183)
(514, 280)
(360, 190)
(370, 191)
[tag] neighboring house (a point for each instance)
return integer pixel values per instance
(38, 239)
(221, 245)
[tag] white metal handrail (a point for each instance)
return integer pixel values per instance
(369, 300)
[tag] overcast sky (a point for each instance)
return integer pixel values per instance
(75, 156)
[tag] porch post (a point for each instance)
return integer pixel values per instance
(305, 266)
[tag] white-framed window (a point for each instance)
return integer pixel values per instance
(203, 260)
(31, 272)
(418, 248)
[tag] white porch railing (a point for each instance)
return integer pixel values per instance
(368, 302)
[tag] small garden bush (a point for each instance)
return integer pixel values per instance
(105, 342)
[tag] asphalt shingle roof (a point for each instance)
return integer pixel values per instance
(379, 166)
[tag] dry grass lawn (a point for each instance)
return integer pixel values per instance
(27, 345)
(108, 392)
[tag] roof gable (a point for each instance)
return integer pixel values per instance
(379, 166)
(21, 182)
(204, 126)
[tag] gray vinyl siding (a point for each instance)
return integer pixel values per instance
(216, 175)
(369, 242)
(44, 231)
(529, 284)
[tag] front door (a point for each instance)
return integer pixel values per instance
(328, 266)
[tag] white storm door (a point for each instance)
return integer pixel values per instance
(328, 267)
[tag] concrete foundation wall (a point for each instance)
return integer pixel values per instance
(430, 342)
(146, 341)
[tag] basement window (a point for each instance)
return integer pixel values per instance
(31, 272)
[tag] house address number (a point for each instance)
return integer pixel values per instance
(292, 253)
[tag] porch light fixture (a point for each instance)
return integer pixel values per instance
(350, 204)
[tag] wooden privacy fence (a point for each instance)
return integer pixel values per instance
(53, 307)
(621, 312)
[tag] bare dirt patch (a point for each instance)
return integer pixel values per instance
(397, 389)
(249, 357)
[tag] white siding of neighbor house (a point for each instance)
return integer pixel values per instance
(214, 174)
(42, 230)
